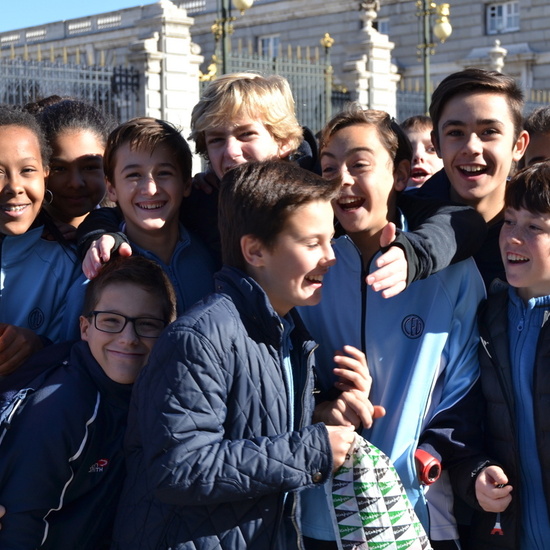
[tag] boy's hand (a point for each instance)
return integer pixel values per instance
(16, 344)
(341, 439)
(99, 253)
(206, 182)
(391, 275)
(492, 491)
(352, 406)
(68, 232)
(2, 513)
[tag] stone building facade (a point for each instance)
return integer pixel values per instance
(155, 39)
(374, 49)
(522, 28)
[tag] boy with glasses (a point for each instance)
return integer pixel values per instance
(63, 414)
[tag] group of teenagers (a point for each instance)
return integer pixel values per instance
(189, 365)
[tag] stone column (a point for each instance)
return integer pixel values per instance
(169, 63)
(368, 72)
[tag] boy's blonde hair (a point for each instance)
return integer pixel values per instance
(266, 99)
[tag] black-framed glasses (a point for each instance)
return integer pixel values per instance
(108, 321)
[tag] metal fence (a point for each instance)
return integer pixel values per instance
(410, 101)
(309, 76)
(111, 89)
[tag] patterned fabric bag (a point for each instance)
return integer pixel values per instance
(371, 508)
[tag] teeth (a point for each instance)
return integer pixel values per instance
(315, 278)
(472, 169)
(150, 205)
(13, 208)
(347, 200)
(516, 258)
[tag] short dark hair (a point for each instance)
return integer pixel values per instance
(135, 270)
(473, 80)
(10, 116)
(417, 122)
(538, 121)
(67, 114)
(148, 133)
(391, 135)
(257, 198)
(530, 189)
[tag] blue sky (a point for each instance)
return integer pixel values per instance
(28, 13)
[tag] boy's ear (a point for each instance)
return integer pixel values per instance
(520, 146)
(84, 327)
(111, 190)
(435, 143)
(401, 175)
(252, 250)
(187, 186)
(284, 149)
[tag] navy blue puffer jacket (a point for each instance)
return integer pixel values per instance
(212, 460)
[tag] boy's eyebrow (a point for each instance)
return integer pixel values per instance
(138, 165)
(481, 121)
(350, 152)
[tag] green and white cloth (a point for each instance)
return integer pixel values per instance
(371, 508)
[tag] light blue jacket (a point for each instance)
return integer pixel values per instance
(191, 272)
(34, 279)
(421, 349)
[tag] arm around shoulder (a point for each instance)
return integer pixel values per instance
(440, 234)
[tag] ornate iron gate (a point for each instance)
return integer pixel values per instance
(112, 89)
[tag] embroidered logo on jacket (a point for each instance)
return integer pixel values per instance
(36, 318)
(99, 466)
(412, 326)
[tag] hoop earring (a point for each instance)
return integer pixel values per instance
(48, 197)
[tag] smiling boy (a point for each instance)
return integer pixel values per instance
(148, 170)
(425, 161)
(514, 349)
(537, 125)
(478, 133)
(64, 414)
(220, 436)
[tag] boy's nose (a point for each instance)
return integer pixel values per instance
(474, 144)
(345, 177)
(129, 333)
(149, 186)
(329, 257)
(233, 148)
(418, 155)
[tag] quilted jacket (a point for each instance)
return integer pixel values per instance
(212, 460)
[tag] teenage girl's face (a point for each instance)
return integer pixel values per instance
(76, 177)
(22, 176)
(245, 140)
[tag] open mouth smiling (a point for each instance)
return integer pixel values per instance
(516, 258)
(472, 170)
(350, 203)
